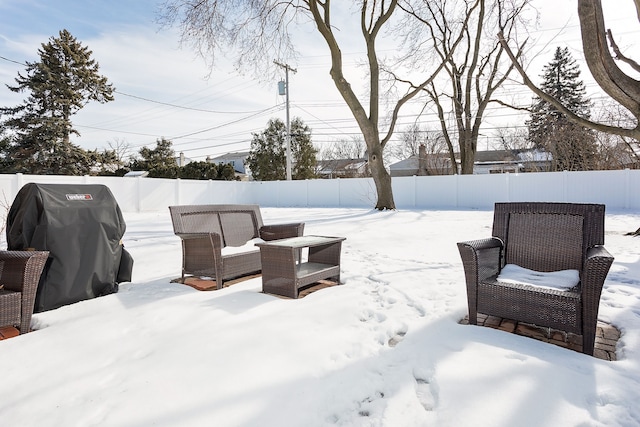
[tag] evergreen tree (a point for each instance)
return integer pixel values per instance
(5, 157)
(160, 162)
(206, 170)
(199, 170)
(572, 147)
(227, 172)
(59, 85)
(106, 163)
(267, 157)
(302, 151)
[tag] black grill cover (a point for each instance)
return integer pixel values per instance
(82, 227)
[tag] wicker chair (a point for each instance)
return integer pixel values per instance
(206, 230)
(543, 237)
(19, 277)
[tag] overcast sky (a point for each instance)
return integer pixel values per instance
(164, 90)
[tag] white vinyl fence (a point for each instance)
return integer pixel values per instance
(618, 190)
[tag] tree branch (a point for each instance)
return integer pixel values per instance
(633, 133)
(420, 87)
(619, 54)
(513, 107)
(606, 73)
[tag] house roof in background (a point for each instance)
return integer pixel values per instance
(339, 164)
(408, 163)
(234, 154)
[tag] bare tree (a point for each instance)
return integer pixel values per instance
(474, 72)
(615, 151)
(428, 146)
(353, 148)
(569, 149)
(259, 31)
(121, 149)
(409, 144)
(513, 138)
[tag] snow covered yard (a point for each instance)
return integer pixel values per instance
(384, 349)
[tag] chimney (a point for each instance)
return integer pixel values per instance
(422, 160)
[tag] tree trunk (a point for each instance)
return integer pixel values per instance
(382, 180)
(606, 73)
(467, 153)
(368, 123)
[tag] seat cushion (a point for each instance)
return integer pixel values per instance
(562, 280)
(247, 247)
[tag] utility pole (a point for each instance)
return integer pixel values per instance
(287, 68)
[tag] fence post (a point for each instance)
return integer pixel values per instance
(177, 197)
(139, 193)
(19, 182)
(627, 188)
(457, 189)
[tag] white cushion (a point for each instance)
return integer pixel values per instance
(247, 247)
(560, 280)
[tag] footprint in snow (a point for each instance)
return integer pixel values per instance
(425, 392)
(398, 336)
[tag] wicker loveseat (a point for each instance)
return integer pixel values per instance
(19, 277)
(218, 240)
(543, 238)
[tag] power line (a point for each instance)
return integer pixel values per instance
(142, 98)
(266, 110)
(183, 107)
(11, 60)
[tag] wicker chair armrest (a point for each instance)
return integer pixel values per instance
(281, 231)
(478, 245)
(598, 252)
(13, 273)
(22, 268)
(202, 251)
(596, 267)
(481, 259)
(21, 273)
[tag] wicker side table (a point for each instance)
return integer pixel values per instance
(284, 274)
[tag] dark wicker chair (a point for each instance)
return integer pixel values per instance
(19, 277)
(206, 230)
(543, 237)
